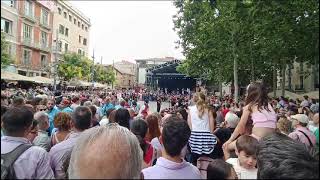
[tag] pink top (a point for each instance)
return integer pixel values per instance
(264, 118)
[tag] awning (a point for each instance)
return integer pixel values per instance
(9, 76)
(79, 83)
(43, 80)
(99, 85)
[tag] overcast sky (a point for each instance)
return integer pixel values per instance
(128, 30)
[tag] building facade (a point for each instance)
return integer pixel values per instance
(143, 64)
(28, 28)
(126, 66)
(300, 78)
(123, 79)
(72, 28)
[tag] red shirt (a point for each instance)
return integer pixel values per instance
(148, 156)
(224, 112)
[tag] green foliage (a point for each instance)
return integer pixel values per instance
(259, 34)
(80, 67)
(103, 74)
(5, 57)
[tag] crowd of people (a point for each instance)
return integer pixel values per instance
(110, 134)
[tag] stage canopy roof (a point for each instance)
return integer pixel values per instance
(166, 70)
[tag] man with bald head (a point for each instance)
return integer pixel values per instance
(106, 152)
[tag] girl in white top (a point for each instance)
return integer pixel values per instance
(201, 122)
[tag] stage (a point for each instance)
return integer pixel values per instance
(165, 76)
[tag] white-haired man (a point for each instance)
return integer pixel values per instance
(224, 133)
(301, 133)
(122, 155)
(43, 139)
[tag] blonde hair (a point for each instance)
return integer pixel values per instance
(201, 103)
(284, 125)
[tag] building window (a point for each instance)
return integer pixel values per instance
(28, 8)
(80, 39)
(44, 39)
(79, 51)
(74, 21)
(9, 3)
(59, 46)
(44, 16)
(84, 41)
(65, 15)
(27, 32)
(66, 46)
(6, 26)
(86, 28)
(61, 29)
(37, 74)
(59, 10)
(43, 60)
(82, 27)
(26, 57)
(67, 32)
(78, 24)
(70, 18)
(30, 74)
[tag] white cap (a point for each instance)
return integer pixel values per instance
(232, 119)
(300, 117)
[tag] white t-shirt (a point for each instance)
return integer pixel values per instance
(104, 121)
(242, 172)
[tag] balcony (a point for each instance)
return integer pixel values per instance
(44, 24)
(45, 47)
(28, 16)
(30, 43)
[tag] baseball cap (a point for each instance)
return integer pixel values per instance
(300, 117)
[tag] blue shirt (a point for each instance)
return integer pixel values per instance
(67, 110)
(51, 116)
(105, 108)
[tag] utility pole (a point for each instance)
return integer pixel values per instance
(92, 70)
(56, 62)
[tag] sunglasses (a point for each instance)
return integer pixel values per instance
(42, 109)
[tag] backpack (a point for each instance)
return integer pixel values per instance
(202, 165)
(7, 160)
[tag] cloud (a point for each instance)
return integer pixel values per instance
(128, 30)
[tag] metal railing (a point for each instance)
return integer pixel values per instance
(28, 15)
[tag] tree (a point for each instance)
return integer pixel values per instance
(252, 38)
(5, 57)
(103, 74)
(74, 66)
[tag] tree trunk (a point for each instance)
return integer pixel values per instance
(315, 67)
(283, 82)
(274, 81)
(220, 83)
(289, 78)
(235, 71)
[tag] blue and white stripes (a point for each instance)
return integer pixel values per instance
(202, 142)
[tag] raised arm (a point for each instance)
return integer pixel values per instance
(240, 129)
